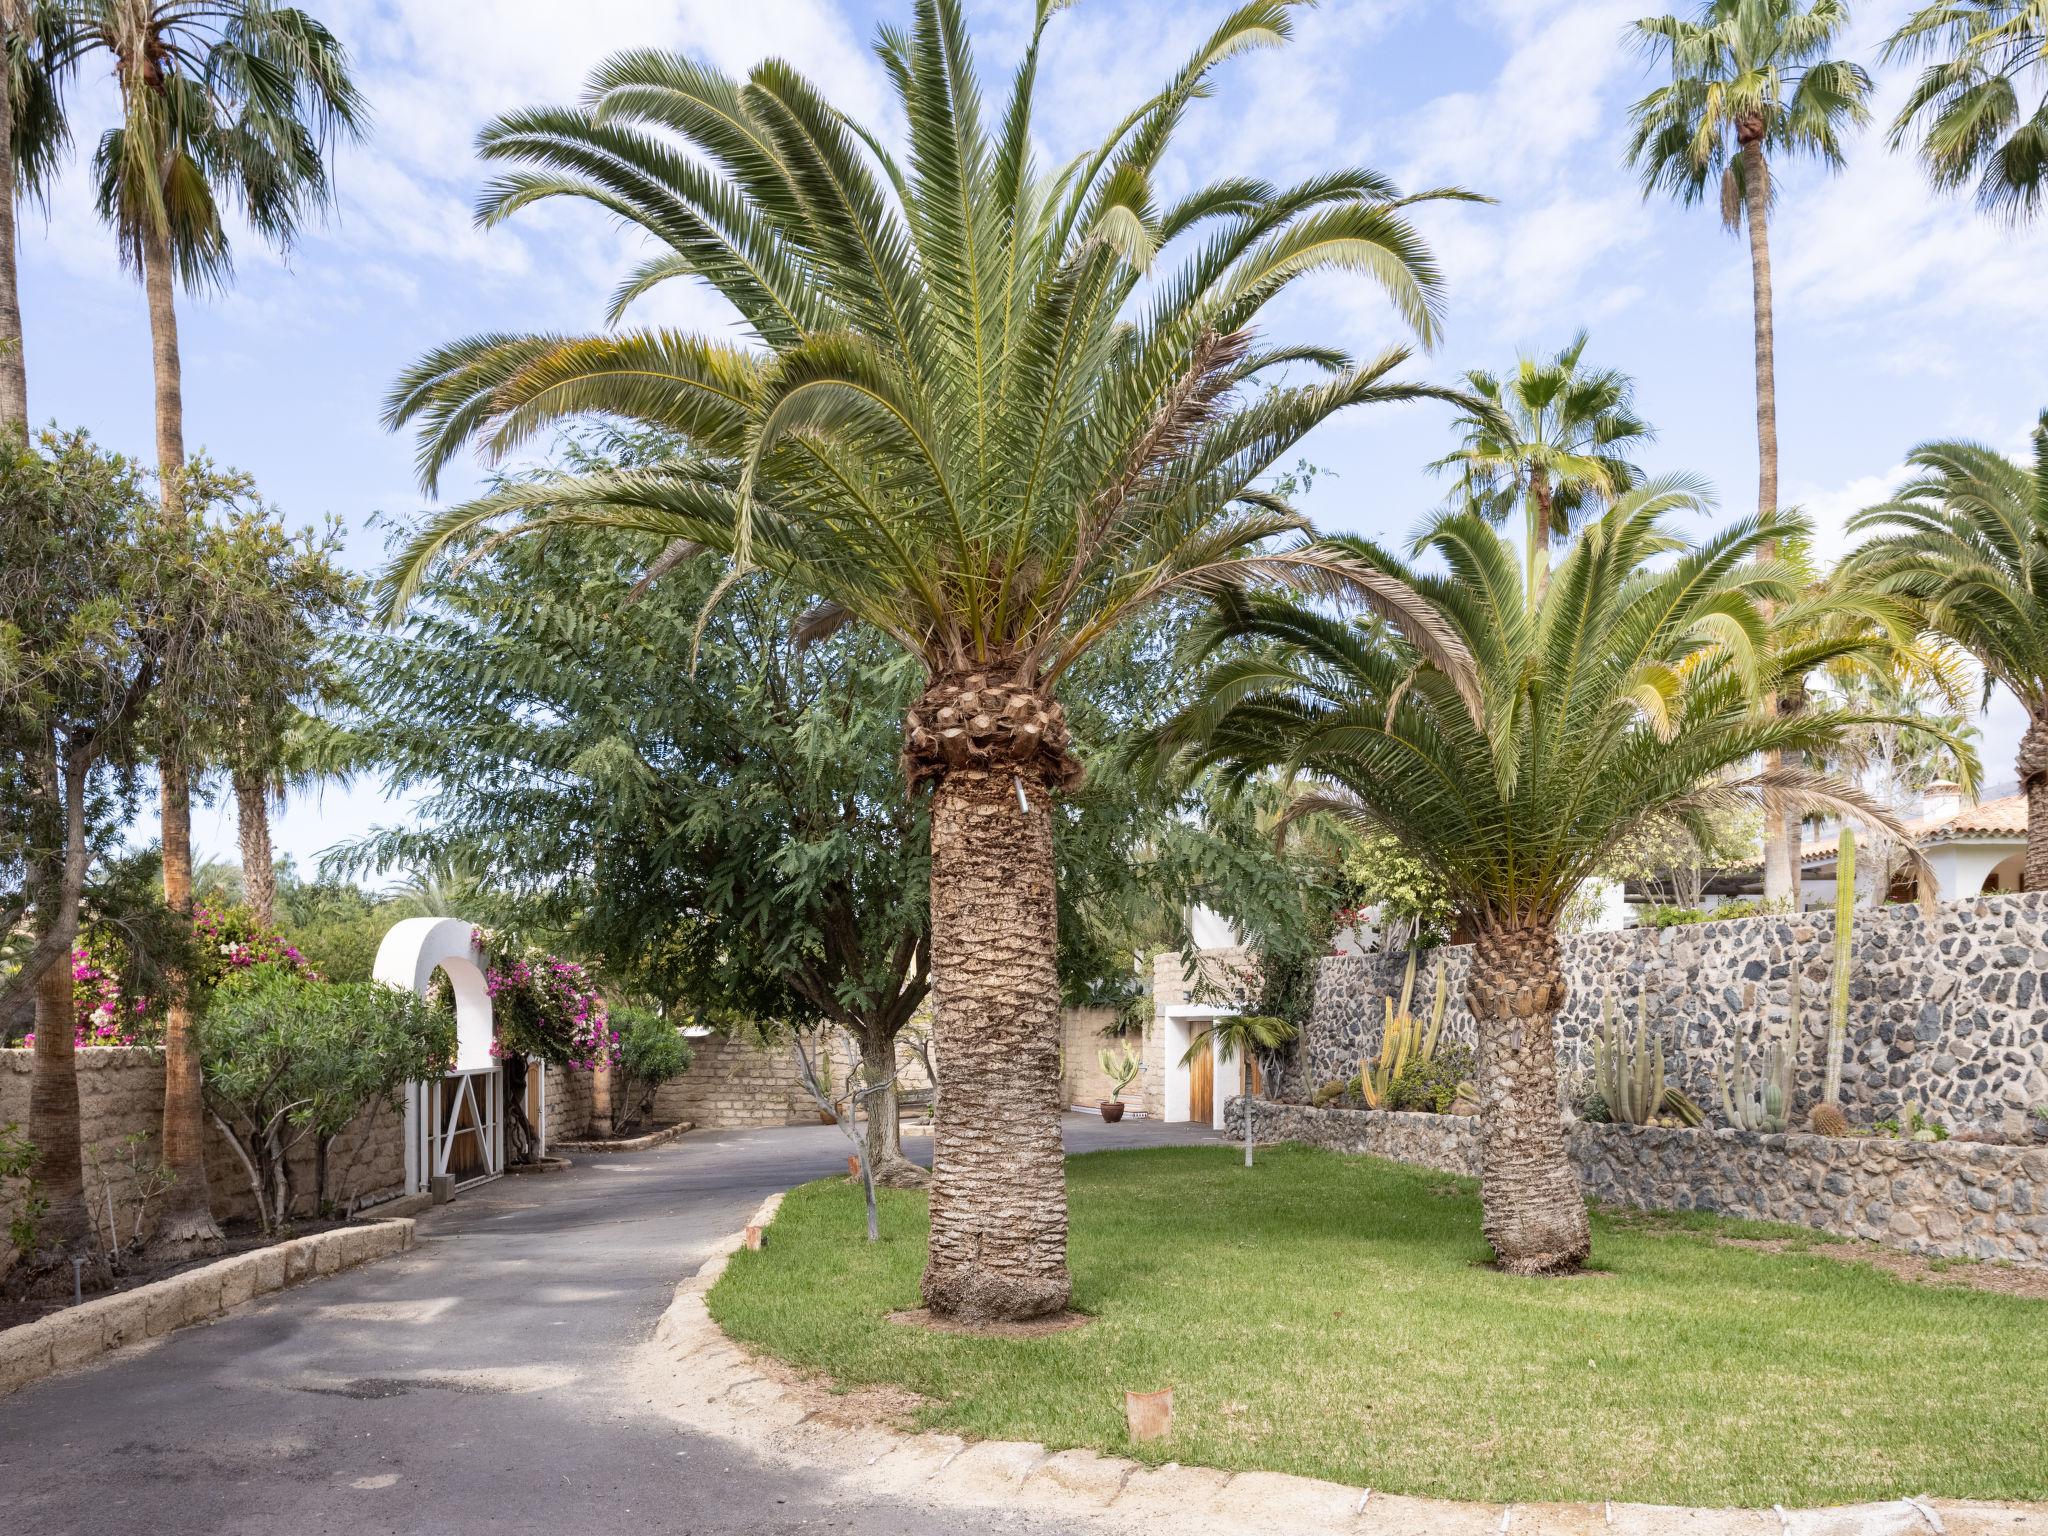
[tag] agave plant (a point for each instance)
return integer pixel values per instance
(976, 408)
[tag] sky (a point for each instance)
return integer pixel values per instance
(1902, 315)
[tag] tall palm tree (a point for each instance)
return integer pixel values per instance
(1967, 104)
(1553, 444)
(219, 99)
(33, 110)
(978, 411)
(1967, 541)
(1750, 83)
(1628, 694)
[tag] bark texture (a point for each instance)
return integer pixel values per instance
(53, 1123)
(999, 1196)
(252, 827)
(880, 1127)
(2033, 770)
(185, 1224)
(13, 362)
(167, 370)
(1533, 1213)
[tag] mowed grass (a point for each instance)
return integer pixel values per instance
(1334, 1317)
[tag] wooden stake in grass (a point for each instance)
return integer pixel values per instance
(1150, 1414)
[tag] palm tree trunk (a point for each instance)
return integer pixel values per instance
(259, 865)
(1533, 1212)
(53, 1121)
(1780, 853)
(185, 1224)
(1537, 539)
(2033, 770)
(13, 360)
(169, 373)
(999, 1195)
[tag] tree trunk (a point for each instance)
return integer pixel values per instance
(1534, 1215)
(999, 1195)
(2033, 770)
(603, 1119)
(53, 1121)
(1537, 538)
(259, 865)
(185, 1224)
(13, 360)
(169, 375)
(884, 1150)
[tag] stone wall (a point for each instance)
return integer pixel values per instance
(1953, 1199)
(1083, 1083)
(736, 1082)
(121, 1093)
(1950, 1013)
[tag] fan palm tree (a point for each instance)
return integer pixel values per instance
(1750, 82)
(1966, 540)
(976, 411)
(1627, 695)
(1967, 104)
(219, 99)
(33, 110)
(1554, 443)
(1239, 1037)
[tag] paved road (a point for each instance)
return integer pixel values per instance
(463, 1387)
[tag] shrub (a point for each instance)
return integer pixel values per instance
(1427, 1085)
(652, 1051)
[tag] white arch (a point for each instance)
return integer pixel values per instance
(418, 946)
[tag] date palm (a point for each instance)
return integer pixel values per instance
(975, 409)
(1626, 696)
(1966, 539)
(1981, 105)
(223, 103)
(1751, 83)
(1554, 445)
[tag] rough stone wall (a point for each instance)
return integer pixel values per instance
(1950, 1013)
(735, 1082)
(1952, 1199)
(569, 1103)
(121, 1093)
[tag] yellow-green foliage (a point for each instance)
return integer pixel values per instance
(1403, 1038)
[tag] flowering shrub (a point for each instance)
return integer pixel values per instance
(550, 1008)
(103, 1016)
(231, 945)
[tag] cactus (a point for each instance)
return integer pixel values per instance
(1828, 1120)
(1845, 933)
(1466, 1100)
(1757, 1096)
(1684, 1108)
(1629, 1067)
(1403, 1038)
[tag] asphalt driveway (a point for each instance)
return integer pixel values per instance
(467, 1386)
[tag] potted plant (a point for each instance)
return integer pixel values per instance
(1119, 1069)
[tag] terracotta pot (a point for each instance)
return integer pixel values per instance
(1149, 1414)
(1112, 1110)
(826, 1117)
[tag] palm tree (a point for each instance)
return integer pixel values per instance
(1967, 541)
(1749, 81)
(1554, 442)
(1237, 1037)
(33, 111)
(1628, 694)
(218, 98)
(980, 413)
(1972, 121)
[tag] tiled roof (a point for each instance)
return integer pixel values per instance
(2003, 817)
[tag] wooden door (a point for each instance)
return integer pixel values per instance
(1202, 1088)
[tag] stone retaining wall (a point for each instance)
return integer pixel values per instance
(121, 1093)
(1950, 1013)
(1953, 1199)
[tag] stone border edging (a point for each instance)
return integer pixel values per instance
(94, 1328)
(658, 1138)
(714, 1386)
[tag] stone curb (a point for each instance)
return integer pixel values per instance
(705, 1381)
(77, 1334)
(636, 1144)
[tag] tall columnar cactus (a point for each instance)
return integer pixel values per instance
(1403, 1038)
(1845, 935)
(1757, 1096)
(1628, 1066)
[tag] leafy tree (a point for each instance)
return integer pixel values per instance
(1966, 540)
(1626, 694)
(32, 109)
(1750, 84)
(979, 413)
(1967, 106)
(652, 1051)
(289, 1060)
(1552, 443)
(1671, 859)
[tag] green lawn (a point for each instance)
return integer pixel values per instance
(1333, 1316)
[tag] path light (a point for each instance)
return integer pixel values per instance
(1150, 1414)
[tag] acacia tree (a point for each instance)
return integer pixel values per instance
(1626, 695)
(1750, 84)
(977, 412)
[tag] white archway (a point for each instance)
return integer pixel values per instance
(454, 1125)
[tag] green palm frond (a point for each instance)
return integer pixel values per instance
(1980, 106)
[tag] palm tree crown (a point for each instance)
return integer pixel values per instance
(1744, 72)
(1554, 442)
(1973, 120)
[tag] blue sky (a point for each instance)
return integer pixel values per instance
(1901, 315)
